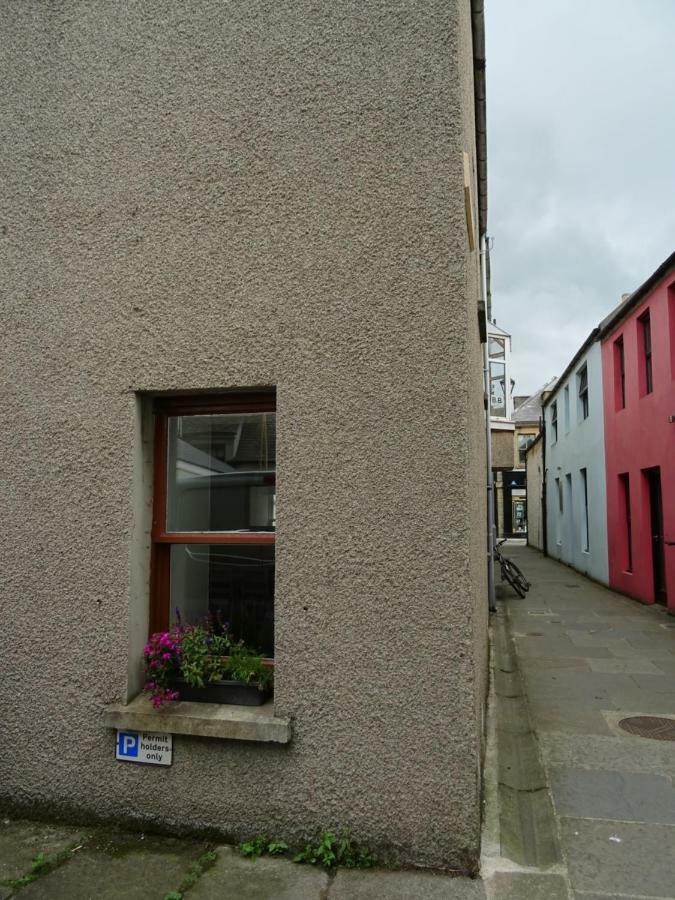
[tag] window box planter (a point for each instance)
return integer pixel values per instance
(235, 693)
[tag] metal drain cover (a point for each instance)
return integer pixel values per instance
(655, 727)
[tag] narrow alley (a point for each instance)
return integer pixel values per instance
(586, 659)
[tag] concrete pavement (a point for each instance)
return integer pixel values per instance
(49, 862)
(576, 807)
(586, 659)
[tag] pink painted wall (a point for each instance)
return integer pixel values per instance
(637, 437)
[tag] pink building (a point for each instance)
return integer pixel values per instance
(638, 365)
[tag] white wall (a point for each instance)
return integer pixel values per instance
(580, 445)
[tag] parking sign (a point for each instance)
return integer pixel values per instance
(140, 747)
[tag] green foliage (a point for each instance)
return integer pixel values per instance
(255, 847)
(277, 847)
(322, 853)
(202, 652)
(330, 851)
(199, 654)
(247, 666)
(194, 873)
(335, 850)
(42, 865)
(260, 844)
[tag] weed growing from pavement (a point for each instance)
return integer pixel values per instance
(261, 844)
(195, 872)
(42, 865)
(331, 850)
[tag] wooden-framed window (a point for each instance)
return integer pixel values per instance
(214, 514)
(554, 421)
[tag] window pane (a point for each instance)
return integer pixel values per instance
(496, 348)
(232, 583)
(221, 472)
(497, 389)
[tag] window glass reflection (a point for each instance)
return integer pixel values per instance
(233, 584)
(497, 389)
(221, 472)
(496, 348)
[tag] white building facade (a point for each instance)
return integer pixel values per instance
(575, 484)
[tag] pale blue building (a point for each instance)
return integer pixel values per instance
(574, 461)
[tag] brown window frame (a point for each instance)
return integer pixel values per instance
(162, 540)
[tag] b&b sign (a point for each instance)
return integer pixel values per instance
(139, 747)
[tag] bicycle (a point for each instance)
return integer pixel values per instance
(510, 571)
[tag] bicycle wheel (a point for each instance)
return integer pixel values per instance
(510, 576)
(524, 583)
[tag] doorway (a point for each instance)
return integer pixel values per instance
(656, 525)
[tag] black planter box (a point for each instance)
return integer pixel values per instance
(236, 693)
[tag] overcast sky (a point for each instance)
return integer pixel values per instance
(581, 166)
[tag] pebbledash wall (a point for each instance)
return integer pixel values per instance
(576, 524)
(216, 196)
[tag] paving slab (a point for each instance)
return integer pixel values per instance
(521, 886)
(265, 879)
(655, 684)
(21, 842)
(570, 684)
(623, 752)
(350, 884)
(624, 648)
(601, 794)
(582, 895)
(661, 639)
(119, 866)
(646, 703)
(620, 858)
(537, 663)
(667, 666)
(629, 665)
(550, 649)
(571, 717)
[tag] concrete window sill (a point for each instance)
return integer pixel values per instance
(212, 720)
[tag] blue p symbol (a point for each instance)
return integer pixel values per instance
(128, 743)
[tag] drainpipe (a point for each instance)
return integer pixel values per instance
(544, 528)
(488, 435)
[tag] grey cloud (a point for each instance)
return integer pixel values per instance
(582, 177)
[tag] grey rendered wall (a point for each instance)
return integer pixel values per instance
(534, 467)
(209, 196)
(582, 445)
